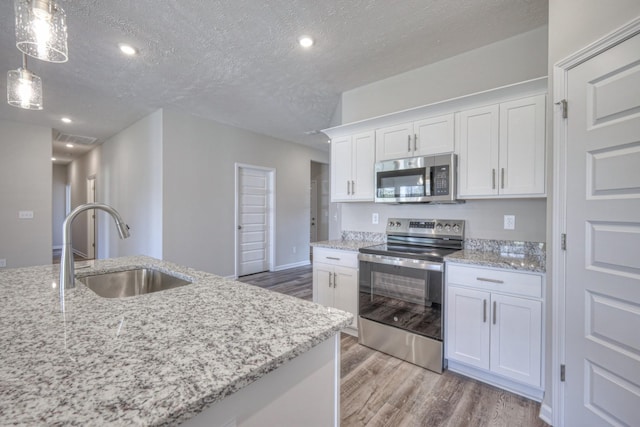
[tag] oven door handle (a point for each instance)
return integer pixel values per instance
(418, 264)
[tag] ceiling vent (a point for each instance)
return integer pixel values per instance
(73, 139)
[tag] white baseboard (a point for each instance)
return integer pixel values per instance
(293, 265)
(82, 254)
(232, 277)
(546, 414)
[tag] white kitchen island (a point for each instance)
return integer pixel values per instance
(215, 352)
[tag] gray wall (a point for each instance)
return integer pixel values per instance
(574, 24)
(130, 179)
(58, 194)
(509, 61)
(512, 60)
(78, 171)
(198, 193)
(25, 184)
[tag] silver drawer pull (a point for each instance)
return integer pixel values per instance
(333, 258)
(495, 310)
(484, 279)
(484, 311)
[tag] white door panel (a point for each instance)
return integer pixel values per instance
(603, 234)
(253, 221)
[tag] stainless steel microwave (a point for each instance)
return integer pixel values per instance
(429, 179)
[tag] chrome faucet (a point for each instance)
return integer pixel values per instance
(67, 271)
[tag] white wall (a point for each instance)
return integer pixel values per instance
(198, 194)
(25, 184)
(484, 218)
(78, 171)
(512, 60)
(130, 180)
(58, 194)
(574, 24)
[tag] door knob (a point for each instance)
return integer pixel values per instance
(239, 227)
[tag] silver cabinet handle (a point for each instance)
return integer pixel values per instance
(333, 258)
(348, 189)
(335, 280)
(415, 142)
(494, 312)
(493, 179)
(484, 311)
(408, 142)
(502, 178)
(484, 279)
(353, 187)
(330, 284)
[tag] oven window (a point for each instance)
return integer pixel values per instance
(406, 298)
(404, 183)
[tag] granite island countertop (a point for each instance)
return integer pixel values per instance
(154, 359)
(344, 245)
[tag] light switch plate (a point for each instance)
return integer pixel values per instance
(509, 222)
(25, 214)
(375, 218)
(3, 262)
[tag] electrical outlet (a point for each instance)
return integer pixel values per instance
(3, 263)
(509, 222)
(294, 249)
(25, 214)
(375, 218)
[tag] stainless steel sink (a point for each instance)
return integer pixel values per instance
(133, 282)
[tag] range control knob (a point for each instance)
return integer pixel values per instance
(456, 228)
(390, 223)
(439, 227)
(398, 224)
(447, 227)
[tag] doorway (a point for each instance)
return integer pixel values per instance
(254, 219)
(319, 204)
(596, 275)
(91, 218)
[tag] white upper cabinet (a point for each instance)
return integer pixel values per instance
(421, 138)
(502, 149)
(352, 165)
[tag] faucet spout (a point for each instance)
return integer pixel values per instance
(67, 270)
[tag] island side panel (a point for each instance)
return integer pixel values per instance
(304, 391)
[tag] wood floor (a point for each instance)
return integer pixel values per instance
(380, 390)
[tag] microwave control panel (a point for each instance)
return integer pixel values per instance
(441, 180)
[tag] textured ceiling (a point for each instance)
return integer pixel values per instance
(238, 61)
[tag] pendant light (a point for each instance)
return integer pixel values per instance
(24, 89)
(41, 30)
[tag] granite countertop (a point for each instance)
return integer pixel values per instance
(523, 256)
(345, 245)
(154, 359)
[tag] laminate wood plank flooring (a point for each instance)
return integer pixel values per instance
(380, 390)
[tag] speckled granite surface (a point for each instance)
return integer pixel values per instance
(513, 255)
(352, 241)
(154, 359)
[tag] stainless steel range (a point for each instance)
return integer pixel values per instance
(401, 289)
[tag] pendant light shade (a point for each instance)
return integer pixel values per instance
(41, 30)
(24, 89)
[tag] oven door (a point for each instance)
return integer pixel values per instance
(403, 293)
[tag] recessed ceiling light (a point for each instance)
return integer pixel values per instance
(66, 120)
(305, 41)
(53, 159)
(127, 49)
(69, 145)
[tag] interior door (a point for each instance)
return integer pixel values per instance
(602, 348)
(253, 233)
(91, 219)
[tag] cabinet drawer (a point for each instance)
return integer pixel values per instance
(529, 285)
(335, 257)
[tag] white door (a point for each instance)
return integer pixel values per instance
(313, 234)
(602, 344)
(91, 219)
(362, 166)
(253, 220)
(345, 286)
(341, 159)
(479, 143)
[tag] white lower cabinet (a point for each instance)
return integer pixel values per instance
(494, 327)
(335, 280)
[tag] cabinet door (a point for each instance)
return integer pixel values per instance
(434, 135)
(341, 161)
(468, 326)
(522, 146)
(516, 338)
(394, 142)
(323, 284)
(346, 291)
(478, 151)
(362, 166)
